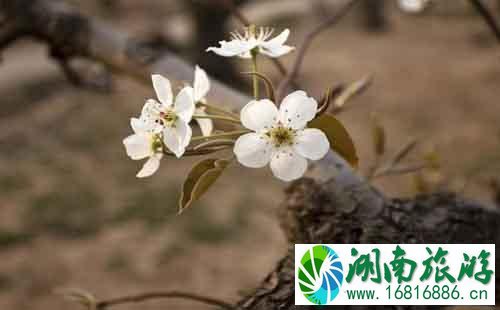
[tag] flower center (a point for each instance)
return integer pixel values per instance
(252, 32)
(156, 144)
(282, 136)
(168, 118)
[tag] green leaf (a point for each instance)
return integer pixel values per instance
(339, 138)
(200, 178)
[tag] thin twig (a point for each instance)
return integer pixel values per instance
(229, 134)
(267, 81)
(216, 109)
(403, 152)
(218, 117)
(388, 171)
(301, 53)
(488, 17)
(214, 143)
(193, 152)
(105, 304)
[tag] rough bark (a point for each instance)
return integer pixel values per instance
(331, 213)
(68, 33)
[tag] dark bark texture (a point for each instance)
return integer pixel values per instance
(327, 213)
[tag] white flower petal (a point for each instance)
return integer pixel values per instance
(177, 138)
(259, 114)
(141, 125)
(287, 165)
(252, 150)
(150, 115)
(185, 133)
(151, 109)
(297, 109)
(232, 48)
(184, 104)
(150, 166)
(413, 6)
(138, 146)
(138, 126)
(201, 84)
(163, 89)
(276, 52)
(278, 40)
(311, 143)
(206, 125)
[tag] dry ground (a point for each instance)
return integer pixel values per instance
(73, 215)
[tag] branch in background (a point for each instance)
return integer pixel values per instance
(231, 6)
(106, 304)
(90, 302)
(292, 74)
(75, 35)
(488, 17)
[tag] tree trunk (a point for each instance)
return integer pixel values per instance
(373, 15)
(328, 213)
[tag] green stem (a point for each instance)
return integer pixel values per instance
(221, 135)
(190, 153)
(219, 117)
(219, 110)
(255, 77)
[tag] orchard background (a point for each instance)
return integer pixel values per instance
(72, 214)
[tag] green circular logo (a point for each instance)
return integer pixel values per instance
(320, 275)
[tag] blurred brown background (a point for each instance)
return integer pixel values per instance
(72, 214)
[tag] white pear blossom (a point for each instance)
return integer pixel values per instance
(201, 86)
(413, 6)
(280, 137)
(259, 40)
(144, 143)
(168, 117)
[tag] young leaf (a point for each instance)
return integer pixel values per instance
(200, 178)
(379, 137)
(339, 138)
(329, 96)
(352, 90)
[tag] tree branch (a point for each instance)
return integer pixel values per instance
(488, 17)
(62, 27)
(311, 35)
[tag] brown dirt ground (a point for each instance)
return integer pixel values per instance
(73, 215)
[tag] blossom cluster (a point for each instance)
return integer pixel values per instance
(272, 135)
